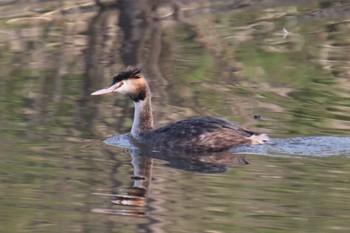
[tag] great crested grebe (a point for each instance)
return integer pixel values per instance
(203, 133)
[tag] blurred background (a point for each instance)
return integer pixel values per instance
(278, 67)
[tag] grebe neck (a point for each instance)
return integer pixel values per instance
(143, 118)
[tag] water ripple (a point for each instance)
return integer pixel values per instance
(301, 146)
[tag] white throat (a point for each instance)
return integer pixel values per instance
(143, 119)
(136, 121)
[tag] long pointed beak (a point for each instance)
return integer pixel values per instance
(105, 90)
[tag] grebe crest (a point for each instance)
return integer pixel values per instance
(199, 134)
(130, 82)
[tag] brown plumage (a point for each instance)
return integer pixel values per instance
(192, 134)
(199, 134)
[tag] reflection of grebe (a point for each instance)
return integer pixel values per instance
(192, 134)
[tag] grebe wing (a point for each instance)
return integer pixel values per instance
(199, 133)
(198, 125)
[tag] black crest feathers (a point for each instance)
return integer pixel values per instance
(128, 73)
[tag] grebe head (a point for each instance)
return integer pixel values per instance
(130, 82)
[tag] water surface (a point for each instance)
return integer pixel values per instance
(277, 68)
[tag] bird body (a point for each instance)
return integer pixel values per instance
(203, 133)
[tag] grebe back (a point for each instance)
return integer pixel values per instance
(202, 133)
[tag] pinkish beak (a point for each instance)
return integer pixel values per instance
(105, 90)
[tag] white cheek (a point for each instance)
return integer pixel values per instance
(124, 89)
(121, 89)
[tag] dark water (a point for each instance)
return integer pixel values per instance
(277, 68)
